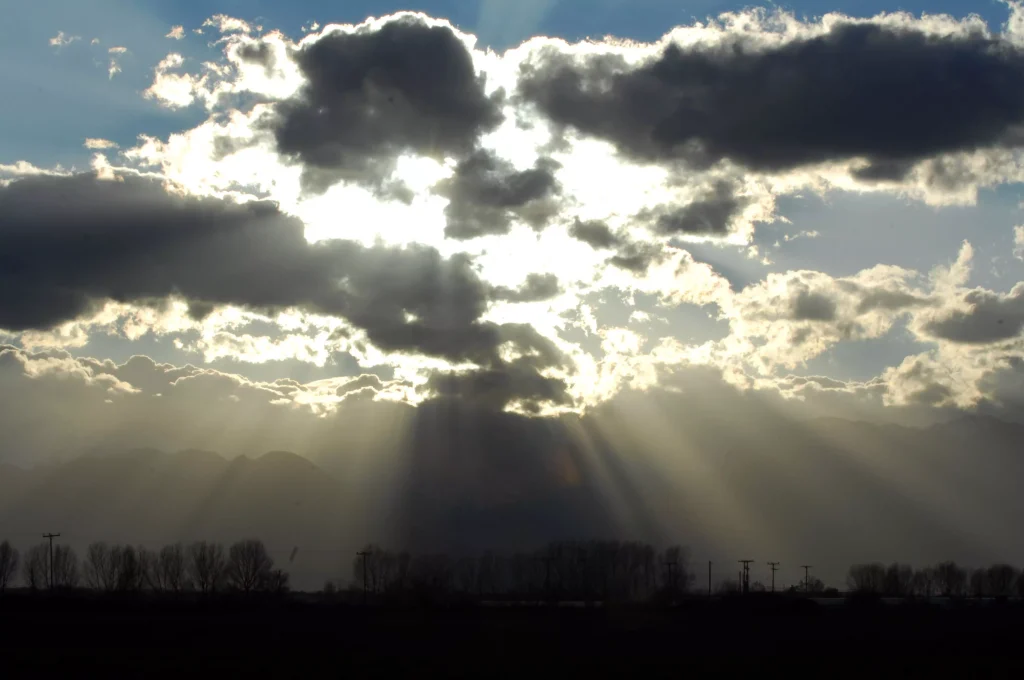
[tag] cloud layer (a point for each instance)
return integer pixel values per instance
(450, 215)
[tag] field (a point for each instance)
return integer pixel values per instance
(294, 638)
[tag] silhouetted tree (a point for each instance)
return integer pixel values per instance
(924, 582)
(431, 575)
(65, 567)
(168, 570)
(899, 580)
(128, 567)
(277, 582)
(8, 564)
(249, 565)
(866, 578)
(1019, 584)
(98, 568)
(35, 568)
(950, 579)
(1001, 579)
(978, 583)
(816, 586)
(206, 565)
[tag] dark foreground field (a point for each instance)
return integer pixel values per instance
(79, 638)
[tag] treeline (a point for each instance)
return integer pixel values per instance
(945, 579)
(564, 570)
(610, 571)
(201, 567)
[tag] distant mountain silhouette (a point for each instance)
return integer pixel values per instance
(825, 492)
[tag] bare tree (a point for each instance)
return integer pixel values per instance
(899, 580)
(951, 579)
(129, 568)
(814, 586)
(1001, 579)
(36, 567)
(206, 565)
(978, 583)
(277, 582)
(249, 565)
(8, 564)
(148, 561)
(167, 571)
(866, 578)
(98, 569)
(924, 582)
(65, 567)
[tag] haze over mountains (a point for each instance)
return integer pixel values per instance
(827, 492)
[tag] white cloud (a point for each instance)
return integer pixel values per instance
(115, 65)
(226, 24)
(174, 90)
(63, 40)
(176, 33)
(96, 143)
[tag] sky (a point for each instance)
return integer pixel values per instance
(225, 224)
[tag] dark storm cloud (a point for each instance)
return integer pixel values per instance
(990, 318)
(536, 288)
(711, 214)
(808, 306)
(889, 95)
(259, 53)
(68, 244)
(890, 300)
(637, 257)
(378, 93)
(487, 193)
(595, 234)
(497, 387)
(632, 256)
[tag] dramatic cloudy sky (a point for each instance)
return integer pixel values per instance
(222, 224)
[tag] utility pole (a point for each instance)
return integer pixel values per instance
(746, 574)
(807, 577)
(775, 568)
(364, 554)
(51, 537)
